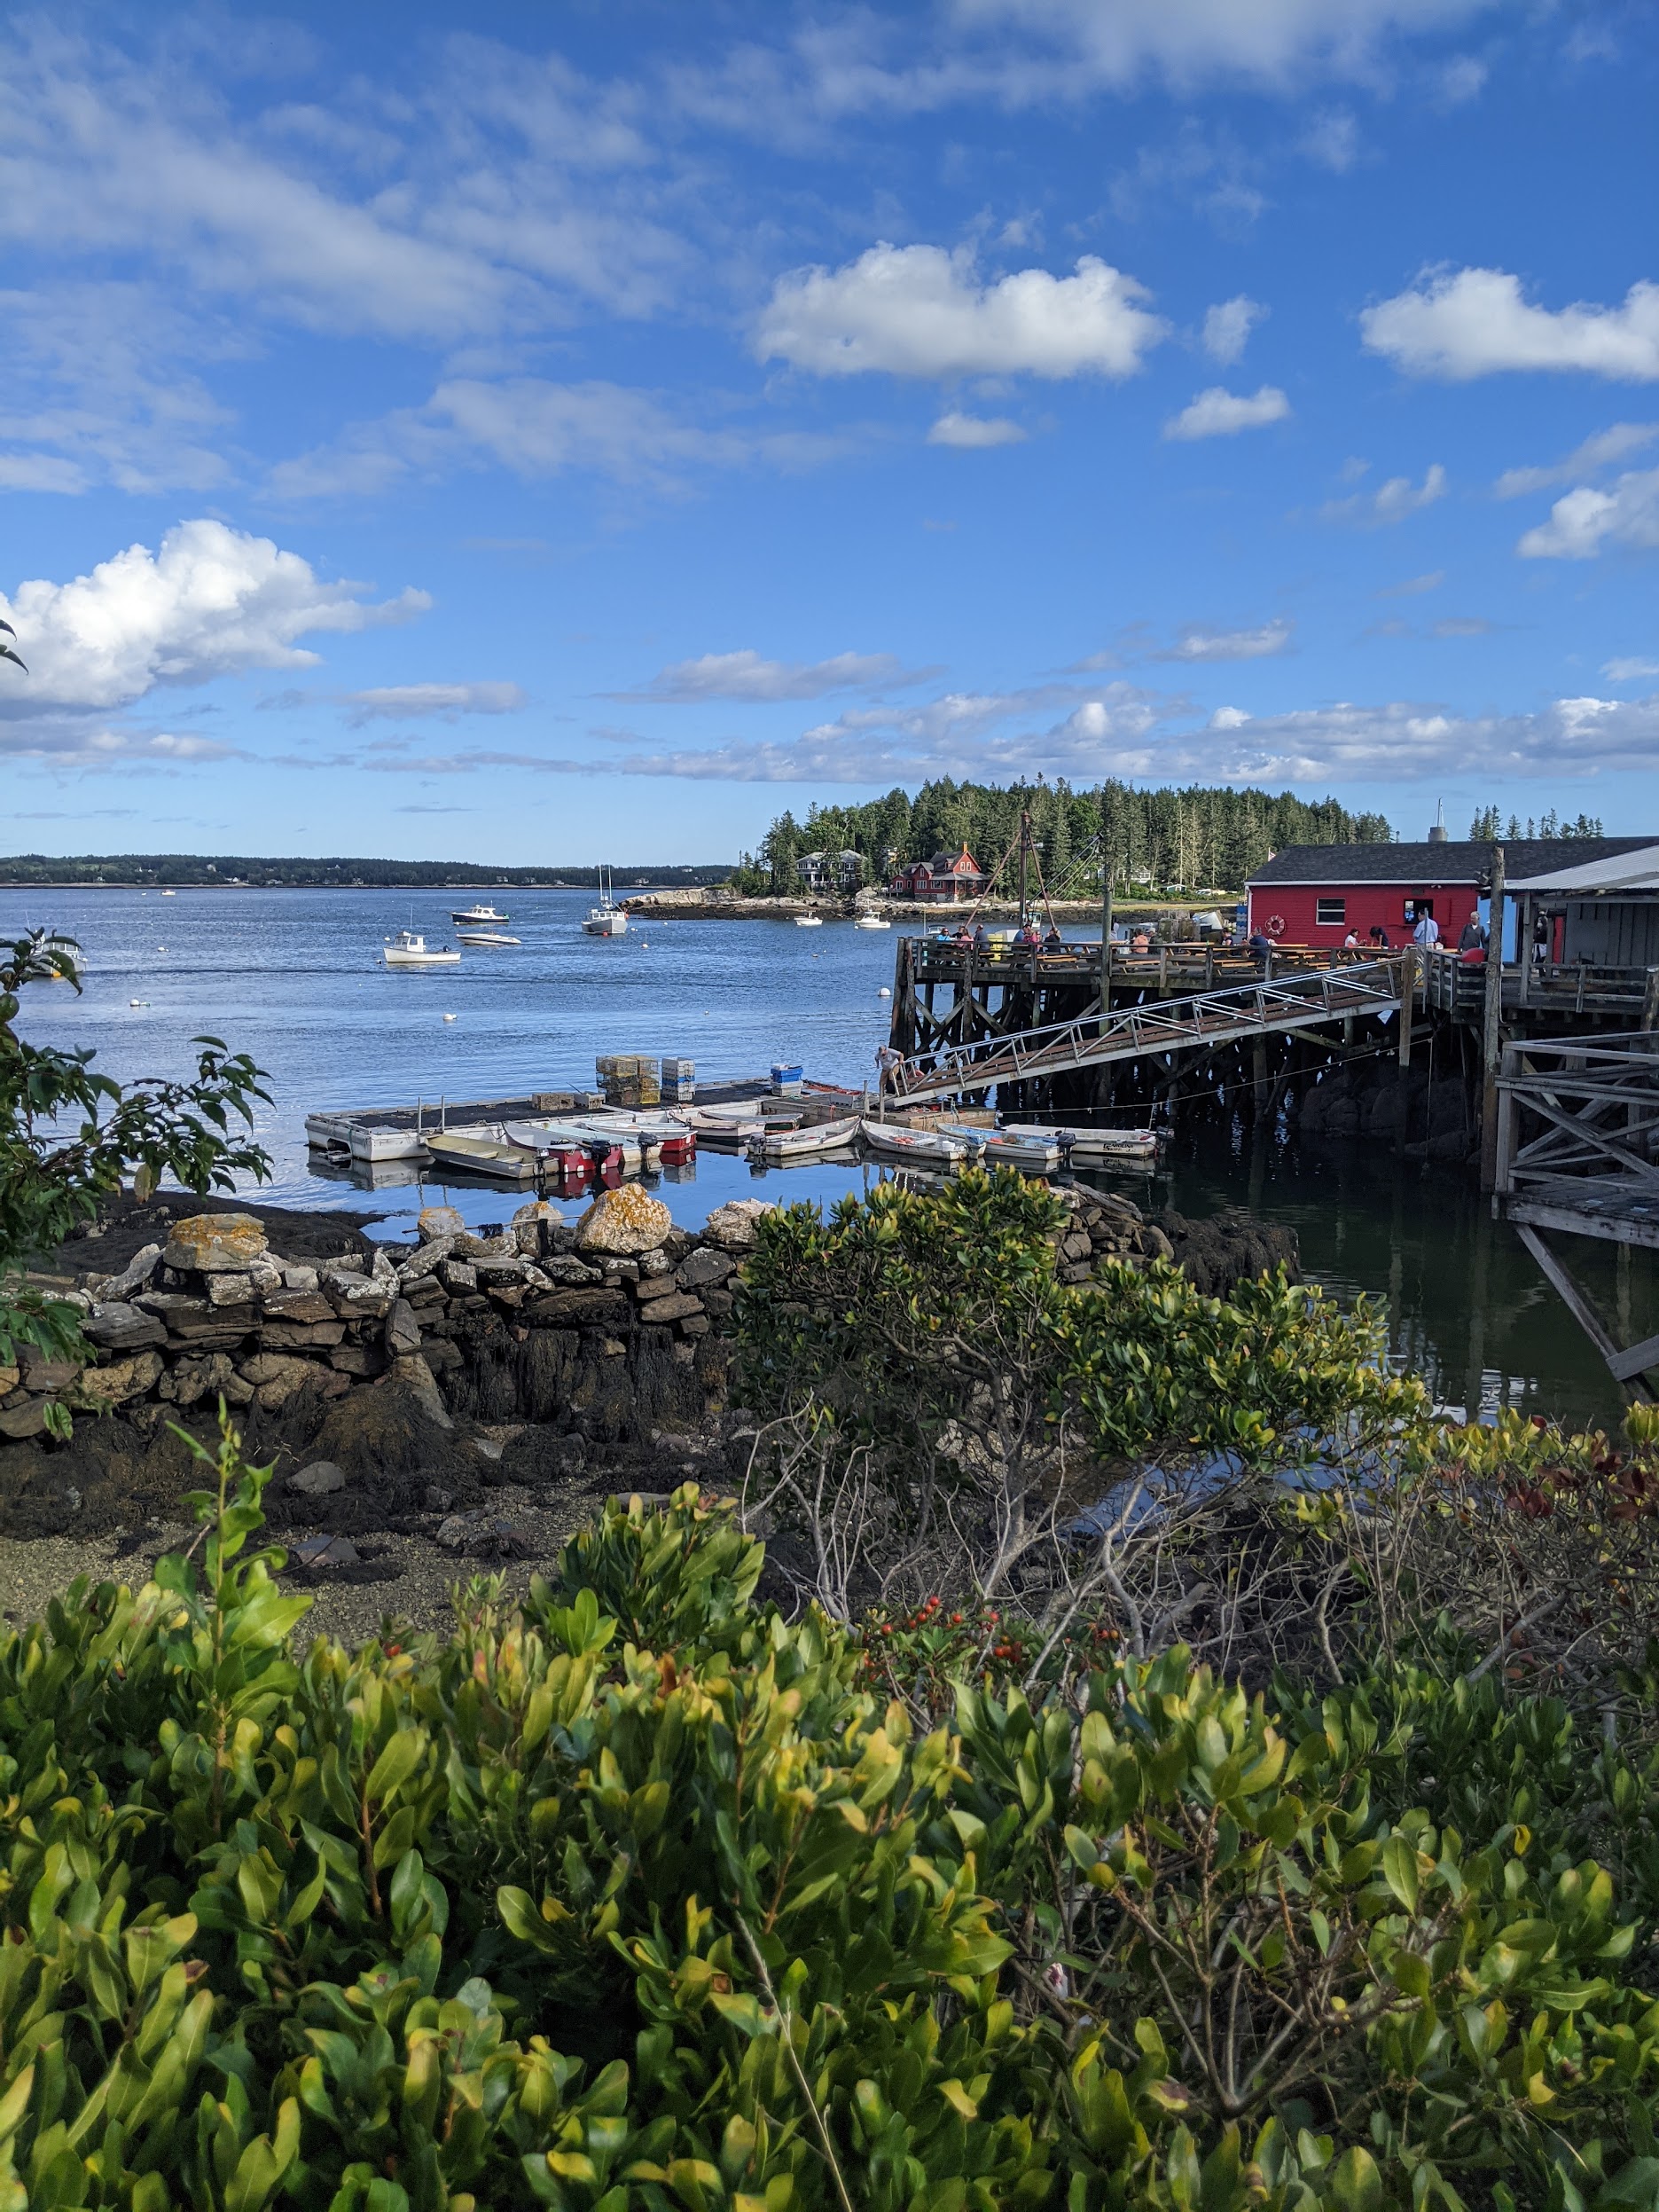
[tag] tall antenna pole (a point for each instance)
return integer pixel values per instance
(1106, 917)
(1025, 840)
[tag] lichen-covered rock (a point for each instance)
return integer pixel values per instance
(733, 1225)
(122, 1379)
(23, 1417)
(435, 1221)
(624, 1223)
(216, 1244)
(531, 1224)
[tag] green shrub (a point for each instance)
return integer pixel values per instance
(637, 1895)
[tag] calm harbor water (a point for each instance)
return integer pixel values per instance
(291, 977)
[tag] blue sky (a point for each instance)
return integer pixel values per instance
(582, 436)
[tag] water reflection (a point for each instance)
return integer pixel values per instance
(1465, 1306)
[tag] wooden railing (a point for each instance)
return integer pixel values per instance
(1206, 1018)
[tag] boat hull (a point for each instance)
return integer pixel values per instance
(805, 1144)
(924, 1147)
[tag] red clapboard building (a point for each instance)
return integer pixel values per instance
(1317, 895)
(946, 880)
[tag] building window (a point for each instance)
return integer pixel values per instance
(1330, 913)
(1416, 908)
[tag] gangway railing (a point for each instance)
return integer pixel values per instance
(1210, 1018)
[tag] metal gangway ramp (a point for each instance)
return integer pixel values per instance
(1206, 1018)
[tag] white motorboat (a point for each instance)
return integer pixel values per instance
(871, 922)
(900, 1142)
(808, 1143)
(169, 894)
(486, 936)
(409, 950)
(608, 918)
(809, 921)
(1086, 1147)
(635, 1152)
(480, 916)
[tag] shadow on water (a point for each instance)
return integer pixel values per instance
(1466, 1305)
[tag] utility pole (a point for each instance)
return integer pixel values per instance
(1105, 917)
(1025, 840)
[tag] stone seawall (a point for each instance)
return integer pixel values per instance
(414, 1376)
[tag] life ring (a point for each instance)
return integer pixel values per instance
(1274, 925)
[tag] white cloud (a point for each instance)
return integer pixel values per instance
(1131, 732)
(1474, 322)
(1227, 328)
(537, 428)
(1333, 141)
(1414, 585)
(1586, 519)
(1190, 41)
(1461, 79)
(745, 676)
(1196, 643)
(916, 310)
(1391, 502)
(1629, 671)
(972, 433)
(1218, 414)
(1599, 451)
(403, 702)
(212, 602)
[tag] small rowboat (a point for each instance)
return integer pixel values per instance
(1035, 1151)
(805, 1144)
(930, 1146)
(1087, 1147)
(484, 1155)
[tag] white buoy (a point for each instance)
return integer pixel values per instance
(449, 1017)
(884, 992)
(134, 1001)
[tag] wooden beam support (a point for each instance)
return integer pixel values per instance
(1491, 1026)
(1638, 1359)
(1579, 1307)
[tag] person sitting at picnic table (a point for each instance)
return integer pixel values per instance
(1053, 938)
(1427, 931)
(1262, 945)
(981, 939)
(1378, 935)
(1350, 940)
(1141, 942)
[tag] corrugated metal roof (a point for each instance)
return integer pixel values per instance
(1637, 871)
(1458, 860)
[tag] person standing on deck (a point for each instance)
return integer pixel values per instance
(1428, 930)
(1473, 937)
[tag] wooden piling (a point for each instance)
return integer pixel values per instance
(1408, 1002)
(1491, 1027)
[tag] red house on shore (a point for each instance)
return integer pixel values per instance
(947, 880)
(1318, 894)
